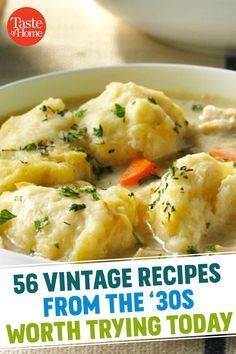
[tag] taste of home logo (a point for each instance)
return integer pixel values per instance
(26, 26)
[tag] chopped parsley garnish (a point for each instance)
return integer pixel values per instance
(44, 108)
(56, 245)
(74, 135)
(90, 190)
(76, 207)
(40, 146)
(197, 107)
(97, 168)
(173, 169)
(98, 134)
(30, 147)
(80, 113)
(74, 126)
(41, 223)
(131, 194)
(152, 100)
(69, 192)
(31, 253)
(169, 209)
(62, 113)
(192, 250)
(212, 248)
(119, 111)
(6, 215)
(65, 222)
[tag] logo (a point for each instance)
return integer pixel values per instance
(26, 26)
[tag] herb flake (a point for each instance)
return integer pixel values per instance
(152, 100)
(6, 215)
(80, 113)
(119, 111)
(69, 192)
(197, 107)
(41, 223)
(76, 207)
(192, 250)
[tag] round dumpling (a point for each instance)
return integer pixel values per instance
(36, 147)
(183, 205)
(74, 222)
(127, 121)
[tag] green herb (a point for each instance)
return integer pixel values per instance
(74, 135)
(173, 169)
(90, 190)
(65, 222)
(98, 134)
(138, 239)
(31, 253)
(6, 215)
(80, 113)
(152, 100)
(198, 107)
(169, 209)
(131, 194)
(192, 250)
(97, 168)
(74, 126)
(212, 248)
(43, 148)
(44, 108)
(56, 245)
(8, 149)
(119, 111)
(69, 192)
(76, 207)
(30, 147)
(40, 146)
(41, 223)
(62, 113)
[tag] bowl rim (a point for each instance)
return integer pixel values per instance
(169, 66)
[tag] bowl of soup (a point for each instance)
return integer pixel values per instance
(116, 162)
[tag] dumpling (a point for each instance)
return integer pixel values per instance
(184, 203)
(127, 121)
(36, 147)
(74, 222)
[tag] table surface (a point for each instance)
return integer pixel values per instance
(81, 34)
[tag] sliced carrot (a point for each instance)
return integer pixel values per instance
(224, 154)
(137, 170)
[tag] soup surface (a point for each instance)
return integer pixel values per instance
(131, 172)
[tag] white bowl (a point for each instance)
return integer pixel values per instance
(208, 25)
(194, 79)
